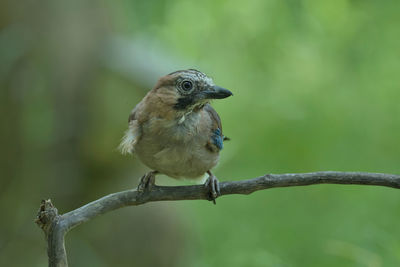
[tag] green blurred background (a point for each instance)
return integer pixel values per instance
(317, 87)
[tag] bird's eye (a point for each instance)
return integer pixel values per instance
(187, 85)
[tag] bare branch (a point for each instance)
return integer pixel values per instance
(56, 226)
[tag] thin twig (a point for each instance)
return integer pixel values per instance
(56, 226)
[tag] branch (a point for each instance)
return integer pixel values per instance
(56, 226)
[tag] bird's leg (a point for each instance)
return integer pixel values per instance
(212, 184)
(147, 181)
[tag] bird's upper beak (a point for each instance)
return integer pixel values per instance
(216, 92)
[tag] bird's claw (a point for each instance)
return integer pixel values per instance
(212, 184)
(147, 181)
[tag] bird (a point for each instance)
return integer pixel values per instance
(175, 131)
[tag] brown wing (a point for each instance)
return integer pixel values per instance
(214, 116)
(132, 116)
(215, 142)
(137, 113)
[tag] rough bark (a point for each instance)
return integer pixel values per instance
(55, 226)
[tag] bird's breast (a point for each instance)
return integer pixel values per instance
(177, 147)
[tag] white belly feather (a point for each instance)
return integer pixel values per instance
(177, 148)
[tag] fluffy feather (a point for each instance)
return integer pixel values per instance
(130, 138)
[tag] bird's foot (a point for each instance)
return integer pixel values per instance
(212, 184)
(147, 181)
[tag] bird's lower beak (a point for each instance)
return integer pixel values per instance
(217, 92)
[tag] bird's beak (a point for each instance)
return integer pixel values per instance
(217, 92)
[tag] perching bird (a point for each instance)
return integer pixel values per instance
(175, 131)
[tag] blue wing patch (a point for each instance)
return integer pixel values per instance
(217, 139)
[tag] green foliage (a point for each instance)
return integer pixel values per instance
(316, 87)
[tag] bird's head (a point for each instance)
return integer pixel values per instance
(191, 89)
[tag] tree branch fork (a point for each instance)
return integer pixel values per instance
(55, 226)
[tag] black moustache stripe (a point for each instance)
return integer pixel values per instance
(184, 102)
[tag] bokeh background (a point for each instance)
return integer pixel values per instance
(317, 87)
